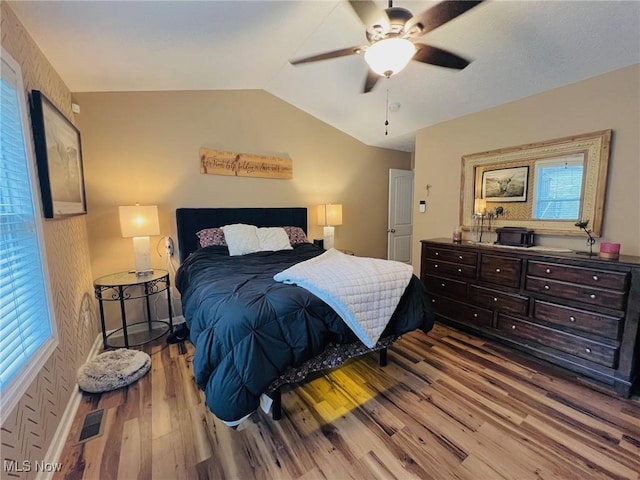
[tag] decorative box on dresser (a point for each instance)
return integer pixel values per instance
(578, 312)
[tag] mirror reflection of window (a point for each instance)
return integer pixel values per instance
(558, 188)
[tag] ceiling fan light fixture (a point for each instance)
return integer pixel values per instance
(389, 56)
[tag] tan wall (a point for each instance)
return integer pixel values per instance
(610, 101)
(28, 432)
(143, 147)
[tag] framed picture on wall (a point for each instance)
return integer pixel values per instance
(505, 185)
(59, 159)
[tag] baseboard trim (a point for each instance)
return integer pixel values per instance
(62, 432)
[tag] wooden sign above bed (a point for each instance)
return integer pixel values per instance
(217, 162)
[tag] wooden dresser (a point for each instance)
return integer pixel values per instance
(578, 312)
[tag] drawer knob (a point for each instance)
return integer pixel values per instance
(460, 257)
(475, 315)
(595, 277)
(547, 287)
(592, 296)
(495, 299)
(437, 253)
(572, 318)
(435, 266)
(459, 270)
(433, 300)
(588, 350)
(513, 327)
(548, 270)
(498, 270)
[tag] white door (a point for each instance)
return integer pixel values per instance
(400, 225)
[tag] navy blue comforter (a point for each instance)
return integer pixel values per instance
(248, 329)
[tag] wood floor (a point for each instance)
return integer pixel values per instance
(447, 406)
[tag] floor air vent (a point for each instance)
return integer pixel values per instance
(92, 425)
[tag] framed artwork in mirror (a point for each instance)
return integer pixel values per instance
(505, 185)
(59, 158)
(545, 186)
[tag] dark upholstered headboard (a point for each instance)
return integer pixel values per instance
(191, 220)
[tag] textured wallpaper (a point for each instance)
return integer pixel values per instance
(29, 430)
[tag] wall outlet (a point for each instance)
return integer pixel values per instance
(168, 246)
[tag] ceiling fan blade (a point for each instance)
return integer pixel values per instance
(369, 13)
(327, 55)
(370, 81)
(438, 15)
(437, 56)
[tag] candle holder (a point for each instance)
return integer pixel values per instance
(483, 216)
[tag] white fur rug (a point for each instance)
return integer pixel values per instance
(112, 370)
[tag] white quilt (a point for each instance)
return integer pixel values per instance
(363, 291)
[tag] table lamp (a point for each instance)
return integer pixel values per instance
(140, 222)
(329, 215)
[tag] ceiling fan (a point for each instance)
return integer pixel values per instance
(392, 35)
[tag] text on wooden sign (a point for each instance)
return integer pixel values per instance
(217, 162)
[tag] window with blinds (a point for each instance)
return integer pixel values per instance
(558, 188)
(27, 332)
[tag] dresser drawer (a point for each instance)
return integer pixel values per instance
(450, 269)
(593, 323)
(583, 276)
(445, 286)
(461, 312)
(500, 270)
(600, 353)
(455, 256)
(593, 296)
(500, 301)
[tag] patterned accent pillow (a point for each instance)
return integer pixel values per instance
(296, 235)
(211, 236)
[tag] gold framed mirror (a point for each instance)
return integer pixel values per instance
(546, 186)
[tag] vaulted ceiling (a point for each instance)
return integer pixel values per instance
(517, 48)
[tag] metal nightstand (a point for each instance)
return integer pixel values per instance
(123, 286)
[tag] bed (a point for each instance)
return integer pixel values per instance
(253, 334)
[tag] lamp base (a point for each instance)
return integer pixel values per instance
(142, 256)
(589, 254)
(329, 233)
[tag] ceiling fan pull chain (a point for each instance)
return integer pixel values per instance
(386, 115)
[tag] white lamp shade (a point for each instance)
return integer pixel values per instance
(389, 56)
(330, 214)
(139, 221)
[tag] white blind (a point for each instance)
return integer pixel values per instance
(558, 188)
(25, 314)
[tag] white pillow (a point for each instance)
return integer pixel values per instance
(241, 239)
(273, 239)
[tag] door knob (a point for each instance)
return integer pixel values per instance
(391, 230)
